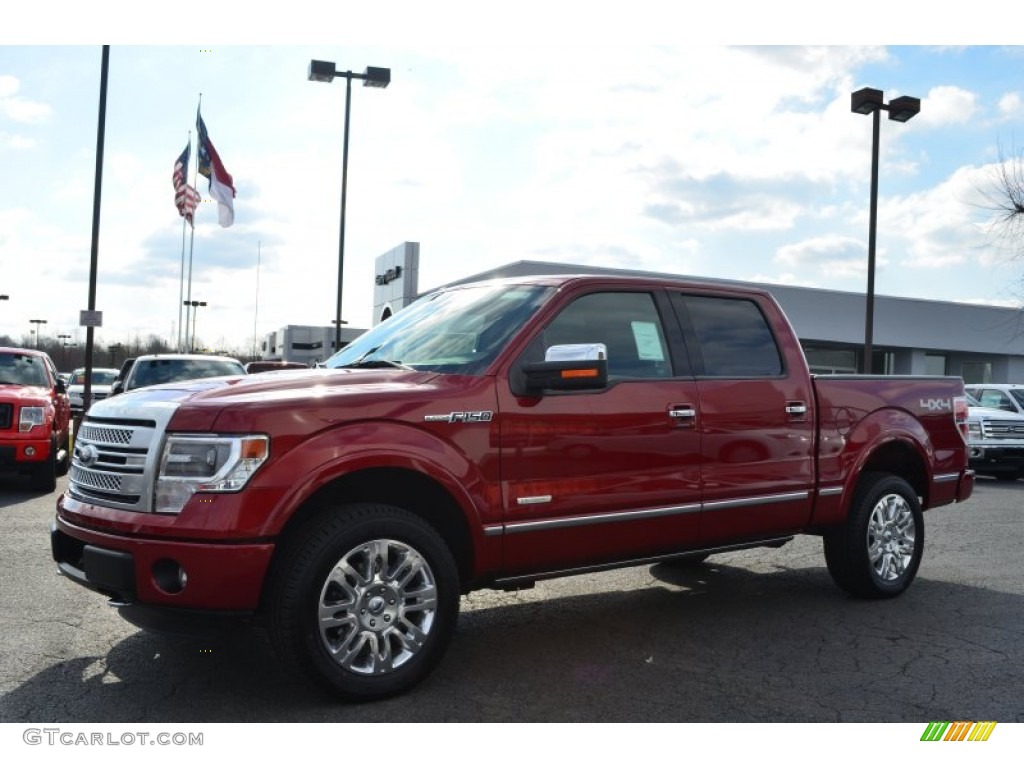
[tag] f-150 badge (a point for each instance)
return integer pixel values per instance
(461, 417)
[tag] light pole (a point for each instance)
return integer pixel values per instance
(868, 101)
(63, 339)
(38, 323)
(374, 77)
(194, 304)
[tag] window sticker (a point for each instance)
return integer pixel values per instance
(648, 342)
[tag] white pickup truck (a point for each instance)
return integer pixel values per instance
(995, 441)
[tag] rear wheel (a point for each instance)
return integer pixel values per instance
(877, 552)
(365, 600)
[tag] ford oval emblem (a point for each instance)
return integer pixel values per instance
(87, 455)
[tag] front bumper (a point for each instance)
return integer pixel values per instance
(188, 575)
(22, 453)
(996, 459)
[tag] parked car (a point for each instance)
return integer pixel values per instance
(995, 441)
(491, 435)
(35, 417)
(1005, 397)
(100, 383)
(148, 370)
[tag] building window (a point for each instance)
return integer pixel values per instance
(934, 364)
(976, 373)
(829, 361)
(307, 345)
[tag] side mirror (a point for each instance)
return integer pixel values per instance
(116, 388)
(60, 387)
(568, 367)
(565, 375)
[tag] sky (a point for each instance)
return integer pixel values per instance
(616, 141)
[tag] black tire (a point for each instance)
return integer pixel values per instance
(388, 628)
(877, 552)
(1006, 477)
(44, 475)
(64, 465)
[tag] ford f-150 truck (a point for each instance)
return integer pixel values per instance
(35, 417)
(487, 436)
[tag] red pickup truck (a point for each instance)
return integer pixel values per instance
(488, 436)
(35, 417)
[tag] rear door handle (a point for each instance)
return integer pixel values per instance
(796, 409)
(684, 413)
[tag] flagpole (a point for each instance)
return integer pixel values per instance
(192, 240)
(256, 312)
(184, 221)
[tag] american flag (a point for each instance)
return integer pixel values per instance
(185, 196)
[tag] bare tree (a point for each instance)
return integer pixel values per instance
(1005, 201)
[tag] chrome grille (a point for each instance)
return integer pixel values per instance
(112, 461)
(1002, 429)
(97, 480)
(111, 435)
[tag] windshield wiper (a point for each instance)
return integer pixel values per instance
(362, 362)
(378, 364)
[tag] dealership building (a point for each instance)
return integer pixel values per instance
(980, 343)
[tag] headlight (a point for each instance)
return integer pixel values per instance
(974, 429)
(193, 464)
(31, 416)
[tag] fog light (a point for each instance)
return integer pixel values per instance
(30, 451)
(169, 576)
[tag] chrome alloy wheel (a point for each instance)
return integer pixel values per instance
(377, 607)
(891, 537)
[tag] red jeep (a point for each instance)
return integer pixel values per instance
(35, 416)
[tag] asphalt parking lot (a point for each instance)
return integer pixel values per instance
(757, 636)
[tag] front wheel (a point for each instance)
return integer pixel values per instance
(364, 599)
(876, 553)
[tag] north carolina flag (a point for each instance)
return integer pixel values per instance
(222, 186)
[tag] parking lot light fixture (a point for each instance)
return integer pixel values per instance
(38, 323)
(870, 101)
(373, 77)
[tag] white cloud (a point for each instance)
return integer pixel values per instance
(19, 110)
(1011, 106)
(947, 105)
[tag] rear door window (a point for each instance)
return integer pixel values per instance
(734, 338)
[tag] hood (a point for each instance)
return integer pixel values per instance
(12, 392)
(977, 412)
(200, 401)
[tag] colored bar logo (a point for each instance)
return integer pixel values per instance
(960, 730)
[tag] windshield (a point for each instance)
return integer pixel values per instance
(100, 376)
(459, 330)
(166, 370)
(26, 370)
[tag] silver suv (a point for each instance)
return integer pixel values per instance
(148, 370)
